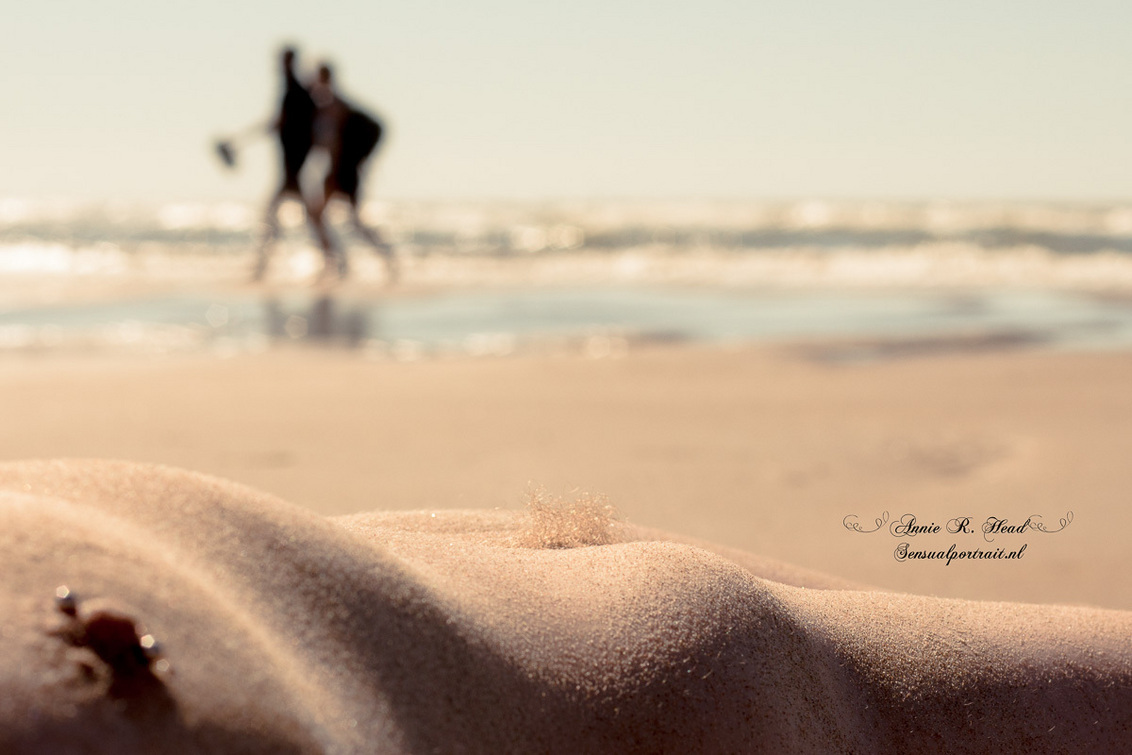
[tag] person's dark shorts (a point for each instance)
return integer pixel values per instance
(347, 179)
(293, 159)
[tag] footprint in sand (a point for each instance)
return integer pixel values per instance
(948, 453)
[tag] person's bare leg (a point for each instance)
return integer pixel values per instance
(336, 254)
(374, 239)
(332, 255)
(269, 235)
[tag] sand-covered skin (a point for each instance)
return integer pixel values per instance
(459, 630)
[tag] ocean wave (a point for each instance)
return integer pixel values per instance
(533, 227)
(930, 265)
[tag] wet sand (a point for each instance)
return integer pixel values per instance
(406, 597)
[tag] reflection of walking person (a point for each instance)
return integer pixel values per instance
(349, 137)
(294, 127)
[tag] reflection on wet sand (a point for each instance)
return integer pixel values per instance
(326, 320)
(830, 326)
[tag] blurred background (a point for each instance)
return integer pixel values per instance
(504, 100)
(875, 147)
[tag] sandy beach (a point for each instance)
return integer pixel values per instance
(685, 579)
(758, 449)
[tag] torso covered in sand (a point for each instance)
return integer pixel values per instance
(206, 617)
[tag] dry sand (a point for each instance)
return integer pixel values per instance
(344, 625)
(756, 449)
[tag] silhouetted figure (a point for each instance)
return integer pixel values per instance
(295, 129)
(349, 137)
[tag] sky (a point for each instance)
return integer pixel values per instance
(502, 99)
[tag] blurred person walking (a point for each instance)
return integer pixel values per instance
(294, 127)
(349, 136)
